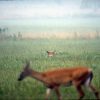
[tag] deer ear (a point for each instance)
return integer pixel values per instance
(27, 64)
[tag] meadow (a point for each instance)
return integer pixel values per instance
(69, 53)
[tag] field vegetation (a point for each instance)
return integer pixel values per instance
(69, 53)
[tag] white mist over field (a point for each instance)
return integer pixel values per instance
(50, 18)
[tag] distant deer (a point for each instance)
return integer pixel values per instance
(77, 76)
(50, 53)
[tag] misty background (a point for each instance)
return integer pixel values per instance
(50, 18)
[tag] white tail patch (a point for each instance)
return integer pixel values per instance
(87, 82)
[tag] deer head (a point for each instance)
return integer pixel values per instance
(26, 72)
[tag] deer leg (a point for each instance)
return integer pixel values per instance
(47, 93)
(91, 87)
(58, 93)
(96, 93)
(80, 91)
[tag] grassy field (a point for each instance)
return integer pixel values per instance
(69, 53)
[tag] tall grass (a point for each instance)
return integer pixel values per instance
(69, 53)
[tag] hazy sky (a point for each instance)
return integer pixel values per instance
(47, 15)
(17, 9)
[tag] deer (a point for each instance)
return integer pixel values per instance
(50, 53)
(54, 79)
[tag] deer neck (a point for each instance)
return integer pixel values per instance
(37, 75)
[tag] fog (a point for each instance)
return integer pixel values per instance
(50, 17)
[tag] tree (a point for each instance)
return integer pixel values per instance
(19, 35)
(0, 30)
(14, 37)
(97, 34)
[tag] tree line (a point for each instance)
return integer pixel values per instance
(4, 34)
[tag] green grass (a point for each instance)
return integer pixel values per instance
(69, 53)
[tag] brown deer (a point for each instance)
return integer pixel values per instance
(50, 53)
(77, 76)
